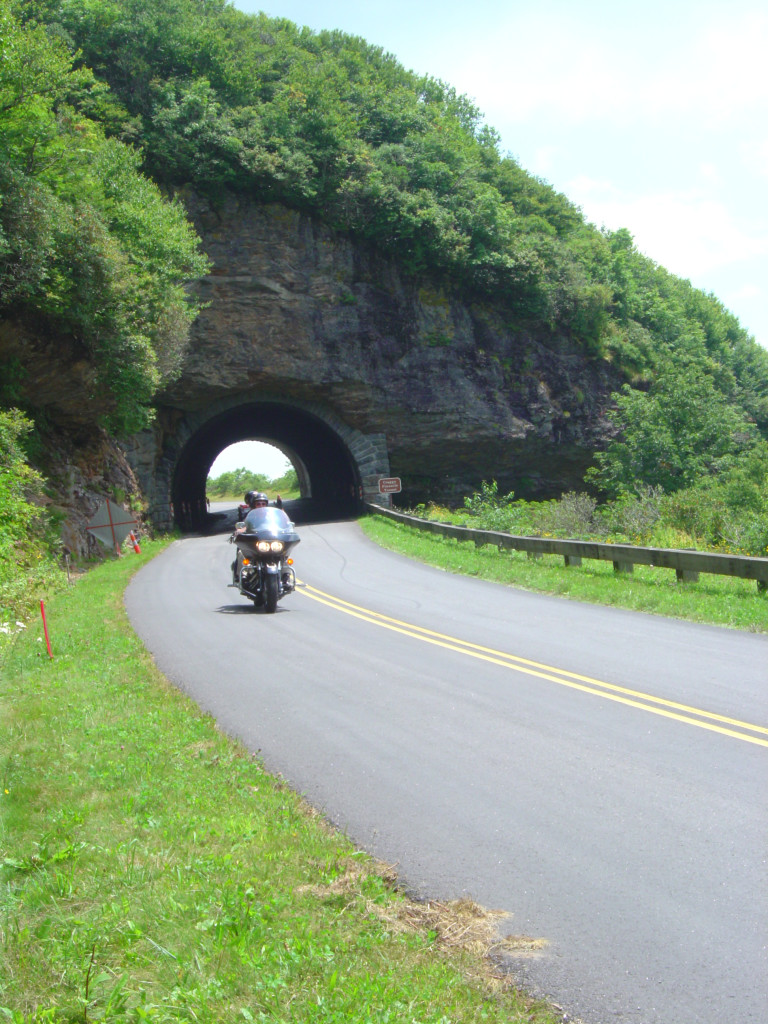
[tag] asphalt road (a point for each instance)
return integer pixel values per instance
(598, 774)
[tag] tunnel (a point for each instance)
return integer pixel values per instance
(329, 479)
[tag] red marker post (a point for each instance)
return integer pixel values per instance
(135, 543)
(45, 629)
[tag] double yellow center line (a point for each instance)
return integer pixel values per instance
(622, 695)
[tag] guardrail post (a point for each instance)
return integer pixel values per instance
(686, 576)
(623, 567)
(574, 560)
(762, 586)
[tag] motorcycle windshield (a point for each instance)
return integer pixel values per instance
(270, 521)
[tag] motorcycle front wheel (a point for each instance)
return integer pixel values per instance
(271, 593)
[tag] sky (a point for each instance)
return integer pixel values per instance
(257, 456)
(651, 117)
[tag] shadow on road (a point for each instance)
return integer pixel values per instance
(303, 512)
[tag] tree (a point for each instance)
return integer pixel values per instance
(682, 429)
(86, 239)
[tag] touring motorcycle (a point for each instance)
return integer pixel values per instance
(263, 569)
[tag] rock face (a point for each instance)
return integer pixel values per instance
(321, 345)
(298, 315)
(82, 464)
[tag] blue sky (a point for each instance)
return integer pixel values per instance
(652, 117)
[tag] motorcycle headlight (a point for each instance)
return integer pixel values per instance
(263, 545)
(277, 545)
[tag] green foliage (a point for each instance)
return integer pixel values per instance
(728, 512)
(679, 431)
(288, 483)
(85, 239)
(239, 481)
(329, 123)
(636, 515)
(236, 481)
(28, 569)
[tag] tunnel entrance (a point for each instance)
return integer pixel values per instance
(329, 478)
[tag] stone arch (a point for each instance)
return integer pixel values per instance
(337, 465)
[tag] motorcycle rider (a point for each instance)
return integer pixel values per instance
(254, 499)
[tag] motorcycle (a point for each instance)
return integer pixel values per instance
(263, 569)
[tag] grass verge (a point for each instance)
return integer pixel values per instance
(152, 871)
(719, 600)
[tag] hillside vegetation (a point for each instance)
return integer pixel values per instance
(327, 123)
(88, 245)
(109, 106)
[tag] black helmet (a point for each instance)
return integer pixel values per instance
(248, 497)
(258, 499)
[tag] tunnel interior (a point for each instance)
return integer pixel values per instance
(329, 481)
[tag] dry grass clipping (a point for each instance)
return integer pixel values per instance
(460, 926)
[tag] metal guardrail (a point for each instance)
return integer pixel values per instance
(687, 564)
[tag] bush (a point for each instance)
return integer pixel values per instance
(28, 565)
(728, 513)
(572, 516)
(635, 514)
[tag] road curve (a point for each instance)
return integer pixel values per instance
(598, 774)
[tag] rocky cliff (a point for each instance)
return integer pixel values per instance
(459, 390)
(53, 376)
(436, 389)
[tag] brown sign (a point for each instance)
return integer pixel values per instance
(389, 485)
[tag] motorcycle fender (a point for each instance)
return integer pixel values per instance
(271, 570)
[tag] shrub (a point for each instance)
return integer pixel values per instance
(635, 514)
(572, 516)
(28, 566)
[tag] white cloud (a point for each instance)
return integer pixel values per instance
(575, 78)
(710, 173)
(689, 233)
(535, 63)
(544, 160)
(257, 456)
(747, 291)
(754, 156)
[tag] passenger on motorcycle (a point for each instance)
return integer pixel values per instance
(245, 506)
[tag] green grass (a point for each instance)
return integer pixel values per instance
(720, 600)
(150, 870)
